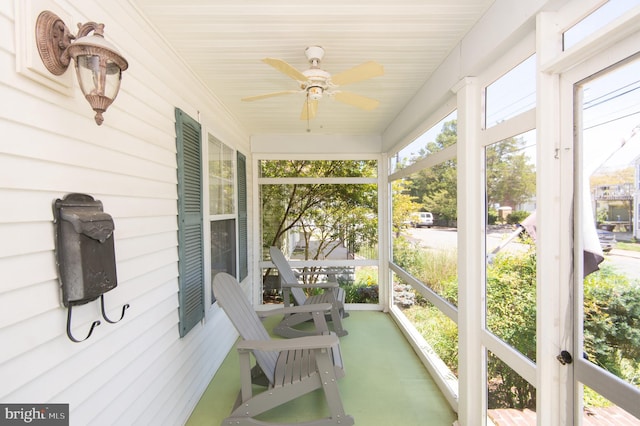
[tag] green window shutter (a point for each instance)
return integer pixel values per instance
(190, 236)
(243, 267)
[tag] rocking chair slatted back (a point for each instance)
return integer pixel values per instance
(287, 275)
(245, 319)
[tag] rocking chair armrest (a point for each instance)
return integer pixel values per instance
(328, 284)
(307, 342)
(317, 272)
(316, 307)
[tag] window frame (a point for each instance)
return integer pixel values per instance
(241, 252)
(261, 264)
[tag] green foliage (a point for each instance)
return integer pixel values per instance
(507, 389)
(612, 323)
(517, 217)
(611, 312)
(403, 205)
(492, 216)
(331, 213)
(631, 246)
(511, 300)
(602, 215)
(361, 294)
(365, 288)
(438, 330)
(436, 187)
(511, 315)
(408, 255)
(510, 175)
(437, 268)
(593, 399)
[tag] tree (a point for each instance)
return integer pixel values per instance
(436, 187)
(403, 205)
(510, 176)
(325, 212)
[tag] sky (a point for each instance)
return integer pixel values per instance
(611, 112)
(611, 103)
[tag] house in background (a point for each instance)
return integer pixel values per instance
(178, 108)
(615, 185)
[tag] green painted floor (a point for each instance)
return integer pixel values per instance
(385, 382)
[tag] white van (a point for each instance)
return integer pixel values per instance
(419, 219)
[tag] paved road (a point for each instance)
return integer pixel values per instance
(446, 238)
(626, 262)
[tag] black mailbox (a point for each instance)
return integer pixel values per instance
(86, 256)
(84, 252)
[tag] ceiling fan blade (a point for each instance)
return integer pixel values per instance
(358, 73)
(356, 100)
(285, 68)
(309, 109)
(269, 95)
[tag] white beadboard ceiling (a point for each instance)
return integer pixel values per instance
(223, 41)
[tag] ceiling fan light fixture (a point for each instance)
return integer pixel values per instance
(315, 82)
(315, 92)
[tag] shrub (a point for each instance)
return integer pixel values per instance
(511, 315)
(517, 217)
(409, 257)
(365, 288)
(511, 300)
(492, 216)
(438, 330)
(611, 318)
(612, 323)
(359, 293)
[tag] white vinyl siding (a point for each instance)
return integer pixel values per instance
(137, 371)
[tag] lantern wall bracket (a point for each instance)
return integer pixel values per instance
(54, 37)
(99, 65)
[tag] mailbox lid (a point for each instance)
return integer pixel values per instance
(94, 224)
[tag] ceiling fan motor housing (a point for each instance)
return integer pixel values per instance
(317, 82)
(314, 52)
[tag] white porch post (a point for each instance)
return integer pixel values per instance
(385, 228)
(471, 257)
(553, 404)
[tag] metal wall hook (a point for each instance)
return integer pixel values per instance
(104, 312)
(94, 325)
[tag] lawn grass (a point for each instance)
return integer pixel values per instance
(627, 246)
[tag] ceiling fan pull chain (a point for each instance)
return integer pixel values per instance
(308, 126)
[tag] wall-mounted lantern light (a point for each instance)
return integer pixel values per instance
(99, 65)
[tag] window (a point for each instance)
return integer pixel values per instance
(602, 16)
(220, 178)
(243, 260)
(222, 208)
(322, 213)
(425, 244)
(223, 248)
(190, 223)
(512, 94)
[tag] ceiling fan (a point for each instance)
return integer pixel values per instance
(316, 82)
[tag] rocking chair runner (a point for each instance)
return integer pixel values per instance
(291, 286)
(289, 368)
